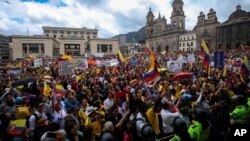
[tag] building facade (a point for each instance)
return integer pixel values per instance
(235, 31)
(161, 36)
(4, 49)
(71, 40)
(206, 28)
(38, 46)
(101, 47)
(187, 42)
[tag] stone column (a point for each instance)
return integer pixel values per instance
(39, 50)
(28, 49)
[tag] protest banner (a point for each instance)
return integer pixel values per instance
(80, 63)
(38, 63)
(174, 66)
(218, 59)
(65, 67)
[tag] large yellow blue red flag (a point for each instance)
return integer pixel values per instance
(153, 72)
(205, 55)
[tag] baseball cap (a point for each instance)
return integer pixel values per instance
(90, 110)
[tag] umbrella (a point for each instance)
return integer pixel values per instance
(23, 81)
(182, 75)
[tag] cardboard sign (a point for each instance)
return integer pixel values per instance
(65, 67)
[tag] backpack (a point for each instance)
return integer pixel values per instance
(28, 123)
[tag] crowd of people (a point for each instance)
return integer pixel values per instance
(104, 103)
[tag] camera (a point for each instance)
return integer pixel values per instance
(144, 130)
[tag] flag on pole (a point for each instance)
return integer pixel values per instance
(153, 72)
(121, 59)
(46, 90)
(244, 69)
(206, 56)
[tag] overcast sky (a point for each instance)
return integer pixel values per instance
(110, 17)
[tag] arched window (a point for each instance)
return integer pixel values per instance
(174, 24)
(181, 24)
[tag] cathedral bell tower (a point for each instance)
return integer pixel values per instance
(177, 16)
(150, 23)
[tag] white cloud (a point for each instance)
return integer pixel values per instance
(112, 17)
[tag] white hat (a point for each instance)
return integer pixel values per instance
(69, 87)
(182, 91)
(90, 110)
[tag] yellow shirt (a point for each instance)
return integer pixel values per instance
(22, 112)
(82, 116)
(153, 120)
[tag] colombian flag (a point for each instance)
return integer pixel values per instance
(205, 55)
(244, 70)
(121, 59)
(153, 72)
(59, 90)
(46, 90)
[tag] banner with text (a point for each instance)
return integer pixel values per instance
(65, 67)
(218, 59)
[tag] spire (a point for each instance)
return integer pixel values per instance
(238, 7)
(159, 17)
(150, 13)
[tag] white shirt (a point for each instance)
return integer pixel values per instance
(32, 120)
(59, 116)
(108, 103)
(167, 120)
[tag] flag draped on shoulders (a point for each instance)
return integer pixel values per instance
(205, 55)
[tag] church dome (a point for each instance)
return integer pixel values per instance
(150, 13)
(238, 14)
(177, 1)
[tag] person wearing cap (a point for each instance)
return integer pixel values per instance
(89, 132)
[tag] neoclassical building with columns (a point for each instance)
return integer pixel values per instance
(62, 40)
